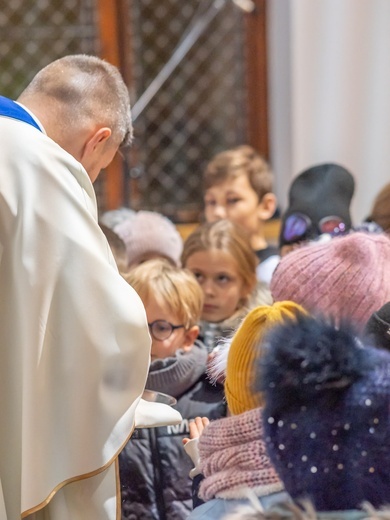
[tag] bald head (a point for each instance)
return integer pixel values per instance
(77, 94)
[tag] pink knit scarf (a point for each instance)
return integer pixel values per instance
(233, 458)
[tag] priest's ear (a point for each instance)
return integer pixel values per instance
(98, 152)
(97, 141)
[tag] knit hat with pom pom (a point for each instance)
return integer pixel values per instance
(347, 277)
(326, 417)
(245, 348)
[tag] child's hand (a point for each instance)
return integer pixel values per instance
(196, 427)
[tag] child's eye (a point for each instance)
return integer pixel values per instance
(198, 276)
(223, 278)
(161, 326)
(209, 203)
(232, 201)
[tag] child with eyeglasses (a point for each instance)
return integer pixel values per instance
(154, 470)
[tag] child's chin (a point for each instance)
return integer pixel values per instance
(213, 318)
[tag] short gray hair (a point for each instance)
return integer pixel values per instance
(86, 88)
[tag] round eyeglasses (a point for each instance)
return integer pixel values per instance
(162, 329)
(299, 226)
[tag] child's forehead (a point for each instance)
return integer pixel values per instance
(160, 305)
(234, 183)
(213, 260)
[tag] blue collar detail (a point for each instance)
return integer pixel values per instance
(9, 108)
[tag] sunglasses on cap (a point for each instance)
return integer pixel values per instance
(299, 226)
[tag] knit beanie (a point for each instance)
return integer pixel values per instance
(245, 348)
(347, 277)
(325, 190)
(150, 233)
(326, 417)
(378, 327)
(114, 217)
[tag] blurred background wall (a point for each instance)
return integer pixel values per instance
(329, 94)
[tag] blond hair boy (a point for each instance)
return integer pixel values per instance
(154, 470)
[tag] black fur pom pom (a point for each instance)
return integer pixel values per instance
(310, 356)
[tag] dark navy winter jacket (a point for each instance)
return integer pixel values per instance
(154, 468)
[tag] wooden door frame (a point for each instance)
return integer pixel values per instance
(257, 78)
(112, 19)
(115, 44)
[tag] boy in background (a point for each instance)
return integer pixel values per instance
(238, 187)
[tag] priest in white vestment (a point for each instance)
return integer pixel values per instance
(73, 334)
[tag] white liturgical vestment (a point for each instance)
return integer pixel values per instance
(74, 340)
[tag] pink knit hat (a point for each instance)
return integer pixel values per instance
(347, 277)
(150, 233)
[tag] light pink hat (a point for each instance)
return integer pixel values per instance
(347, 277)
(149, 232)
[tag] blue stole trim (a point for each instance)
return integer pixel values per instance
(9, 108)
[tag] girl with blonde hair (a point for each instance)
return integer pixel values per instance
(222, 260)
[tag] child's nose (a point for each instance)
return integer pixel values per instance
(208, 287)
(220, 212)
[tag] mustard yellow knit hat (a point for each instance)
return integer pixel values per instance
(246, 348)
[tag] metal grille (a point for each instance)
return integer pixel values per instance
(35, 32)
(198, 111)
